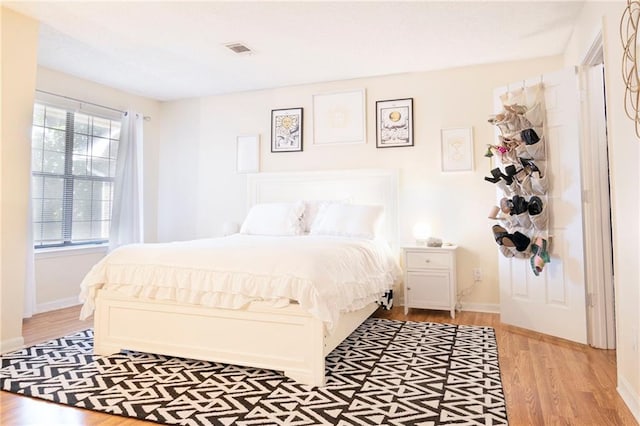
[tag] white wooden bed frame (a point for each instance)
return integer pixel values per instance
(284, 339)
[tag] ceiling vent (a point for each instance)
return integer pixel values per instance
(239, 48)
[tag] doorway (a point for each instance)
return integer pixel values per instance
(598, 247)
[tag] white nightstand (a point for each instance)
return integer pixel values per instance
(430, 278)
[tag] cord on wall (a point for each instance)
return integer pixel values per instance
(477, 277)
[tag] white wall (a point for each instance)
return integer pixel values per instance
(624, 155)
(198, 149)
(19, 54)
(178, 159)
(59, 273)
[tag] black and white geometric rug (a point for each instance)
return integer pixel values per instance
(386, 373)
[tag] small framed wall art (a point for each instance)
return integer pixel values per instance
(339, 118)
(248, 154)
(286, 130)
(394, 123)
(457, 149)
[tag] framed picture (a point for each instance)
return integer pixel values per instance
(339, 118)
(286, 130)
(394, 123)
(457, 149)
(248, 154)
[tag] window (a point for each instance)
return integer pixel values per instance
(73, 166)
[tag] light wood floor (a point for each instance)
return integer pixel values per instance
(547, 381)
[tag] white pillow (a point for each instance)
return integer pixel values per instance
(348, 220)
(311, 209)
(276, 219)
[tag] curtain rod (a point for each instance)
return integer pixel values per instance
(146, 117)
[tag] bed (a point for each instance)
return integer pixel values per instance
(291, 331)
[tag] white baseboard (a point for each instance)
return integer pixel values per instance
(11, 345)
(492, 308)
(57, 304)
(629, 397)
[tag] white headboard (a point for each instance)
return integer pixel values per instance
(359, 186)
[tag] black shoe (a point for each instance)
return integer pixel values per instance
(535, 205)
(520, 205)
(497, 175)
(529, 136)
(520, 240)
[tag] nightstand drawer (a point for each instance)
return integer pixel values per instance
(427, 260)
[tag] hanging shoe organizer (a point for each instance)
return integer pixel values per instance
(519, 171)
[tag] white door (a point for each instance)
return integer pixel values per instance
(596, 211)
(553, 302)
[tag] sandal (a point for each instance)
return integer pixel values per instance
(542, 243)
(537, 264)
(506, 206)
(511, 170)
(506, 251)
(530, 166)
(497, 118)
(516, 109)
(497, 174)
(501, 236)
(540, 255)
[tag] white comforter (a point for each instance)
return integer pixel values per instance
(325, 275)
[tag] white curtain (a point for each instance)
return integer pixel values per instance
(126, 213)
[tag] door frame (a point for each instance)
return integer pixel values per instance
(596, 205)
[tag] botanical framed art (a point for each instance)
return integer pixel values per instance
(286, 130)
(339, 117)
(248, 154)
(457, 149)
(394, 123)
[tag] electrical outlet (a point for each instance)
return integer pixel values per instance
(477, 274)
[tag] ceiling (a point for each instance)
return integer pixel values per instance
(173, 50)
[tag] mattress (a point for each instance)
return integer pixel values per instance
(325, 275)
